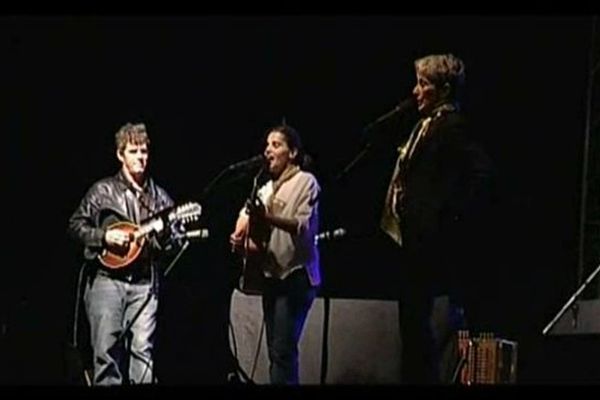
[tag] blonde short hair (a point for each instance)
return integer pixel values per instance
(443, 69)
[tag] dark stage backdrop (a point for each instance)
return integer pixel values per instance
(209, 87)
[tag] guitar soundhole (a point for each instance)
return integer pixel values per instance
(120, 251)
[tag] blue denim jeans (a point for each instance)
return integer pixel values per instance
(110, 305)
(285, 306)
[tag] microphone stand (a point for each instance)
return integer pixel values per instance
(152, 292)
(382, 118)
(570, 304)
(207, 190)
(214, 181)
(176, 258)
(218, 177)
(369, 144)
(358, 157)
(251, 201)
(354, 161)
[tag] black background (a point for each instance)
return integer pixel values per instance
(209, 87)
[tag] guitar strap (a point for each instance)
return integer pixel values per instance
(285, 176)
(144, 205)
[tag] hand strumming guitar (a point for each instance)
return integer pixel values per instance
(256, 210)
(117, 237)
(254, 216)
(238, 236)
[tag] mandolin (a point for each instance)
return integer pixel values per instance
(117, 257)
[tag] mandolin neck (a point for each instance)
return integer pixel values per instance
(156, 225)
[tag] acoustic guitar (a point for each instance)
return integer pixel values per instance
(253, 254)
(251, 280)
(117, 257)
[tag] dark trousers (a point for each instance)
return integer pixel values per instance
(419, 361)
(285, 306)
(430, 317)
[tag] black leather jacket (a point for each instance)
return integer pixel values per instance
(112, 194)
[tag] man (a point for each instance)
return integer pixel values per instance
(436, 185)
(122, 291)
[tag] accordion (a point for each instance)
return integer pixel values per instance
(485, 359)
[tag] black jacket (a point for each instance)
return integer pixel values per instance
(446, 182)
(446, 190)
(112, 194)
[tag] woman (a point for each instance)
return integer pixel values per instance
(283, 223)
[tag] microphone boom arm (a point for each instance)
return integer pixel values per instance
(382, 118)
(254, 161)
(403, 106)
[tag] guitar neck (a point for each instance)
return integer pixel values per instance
(156, 225)
(185, 213)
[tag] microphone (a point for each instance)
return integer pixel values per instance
(249, 163)
(329, 235)
(402, 107)
(197, 234)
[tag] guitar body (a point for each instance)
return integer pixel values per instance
(254, 258)
(252, 278)
(117, 257)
